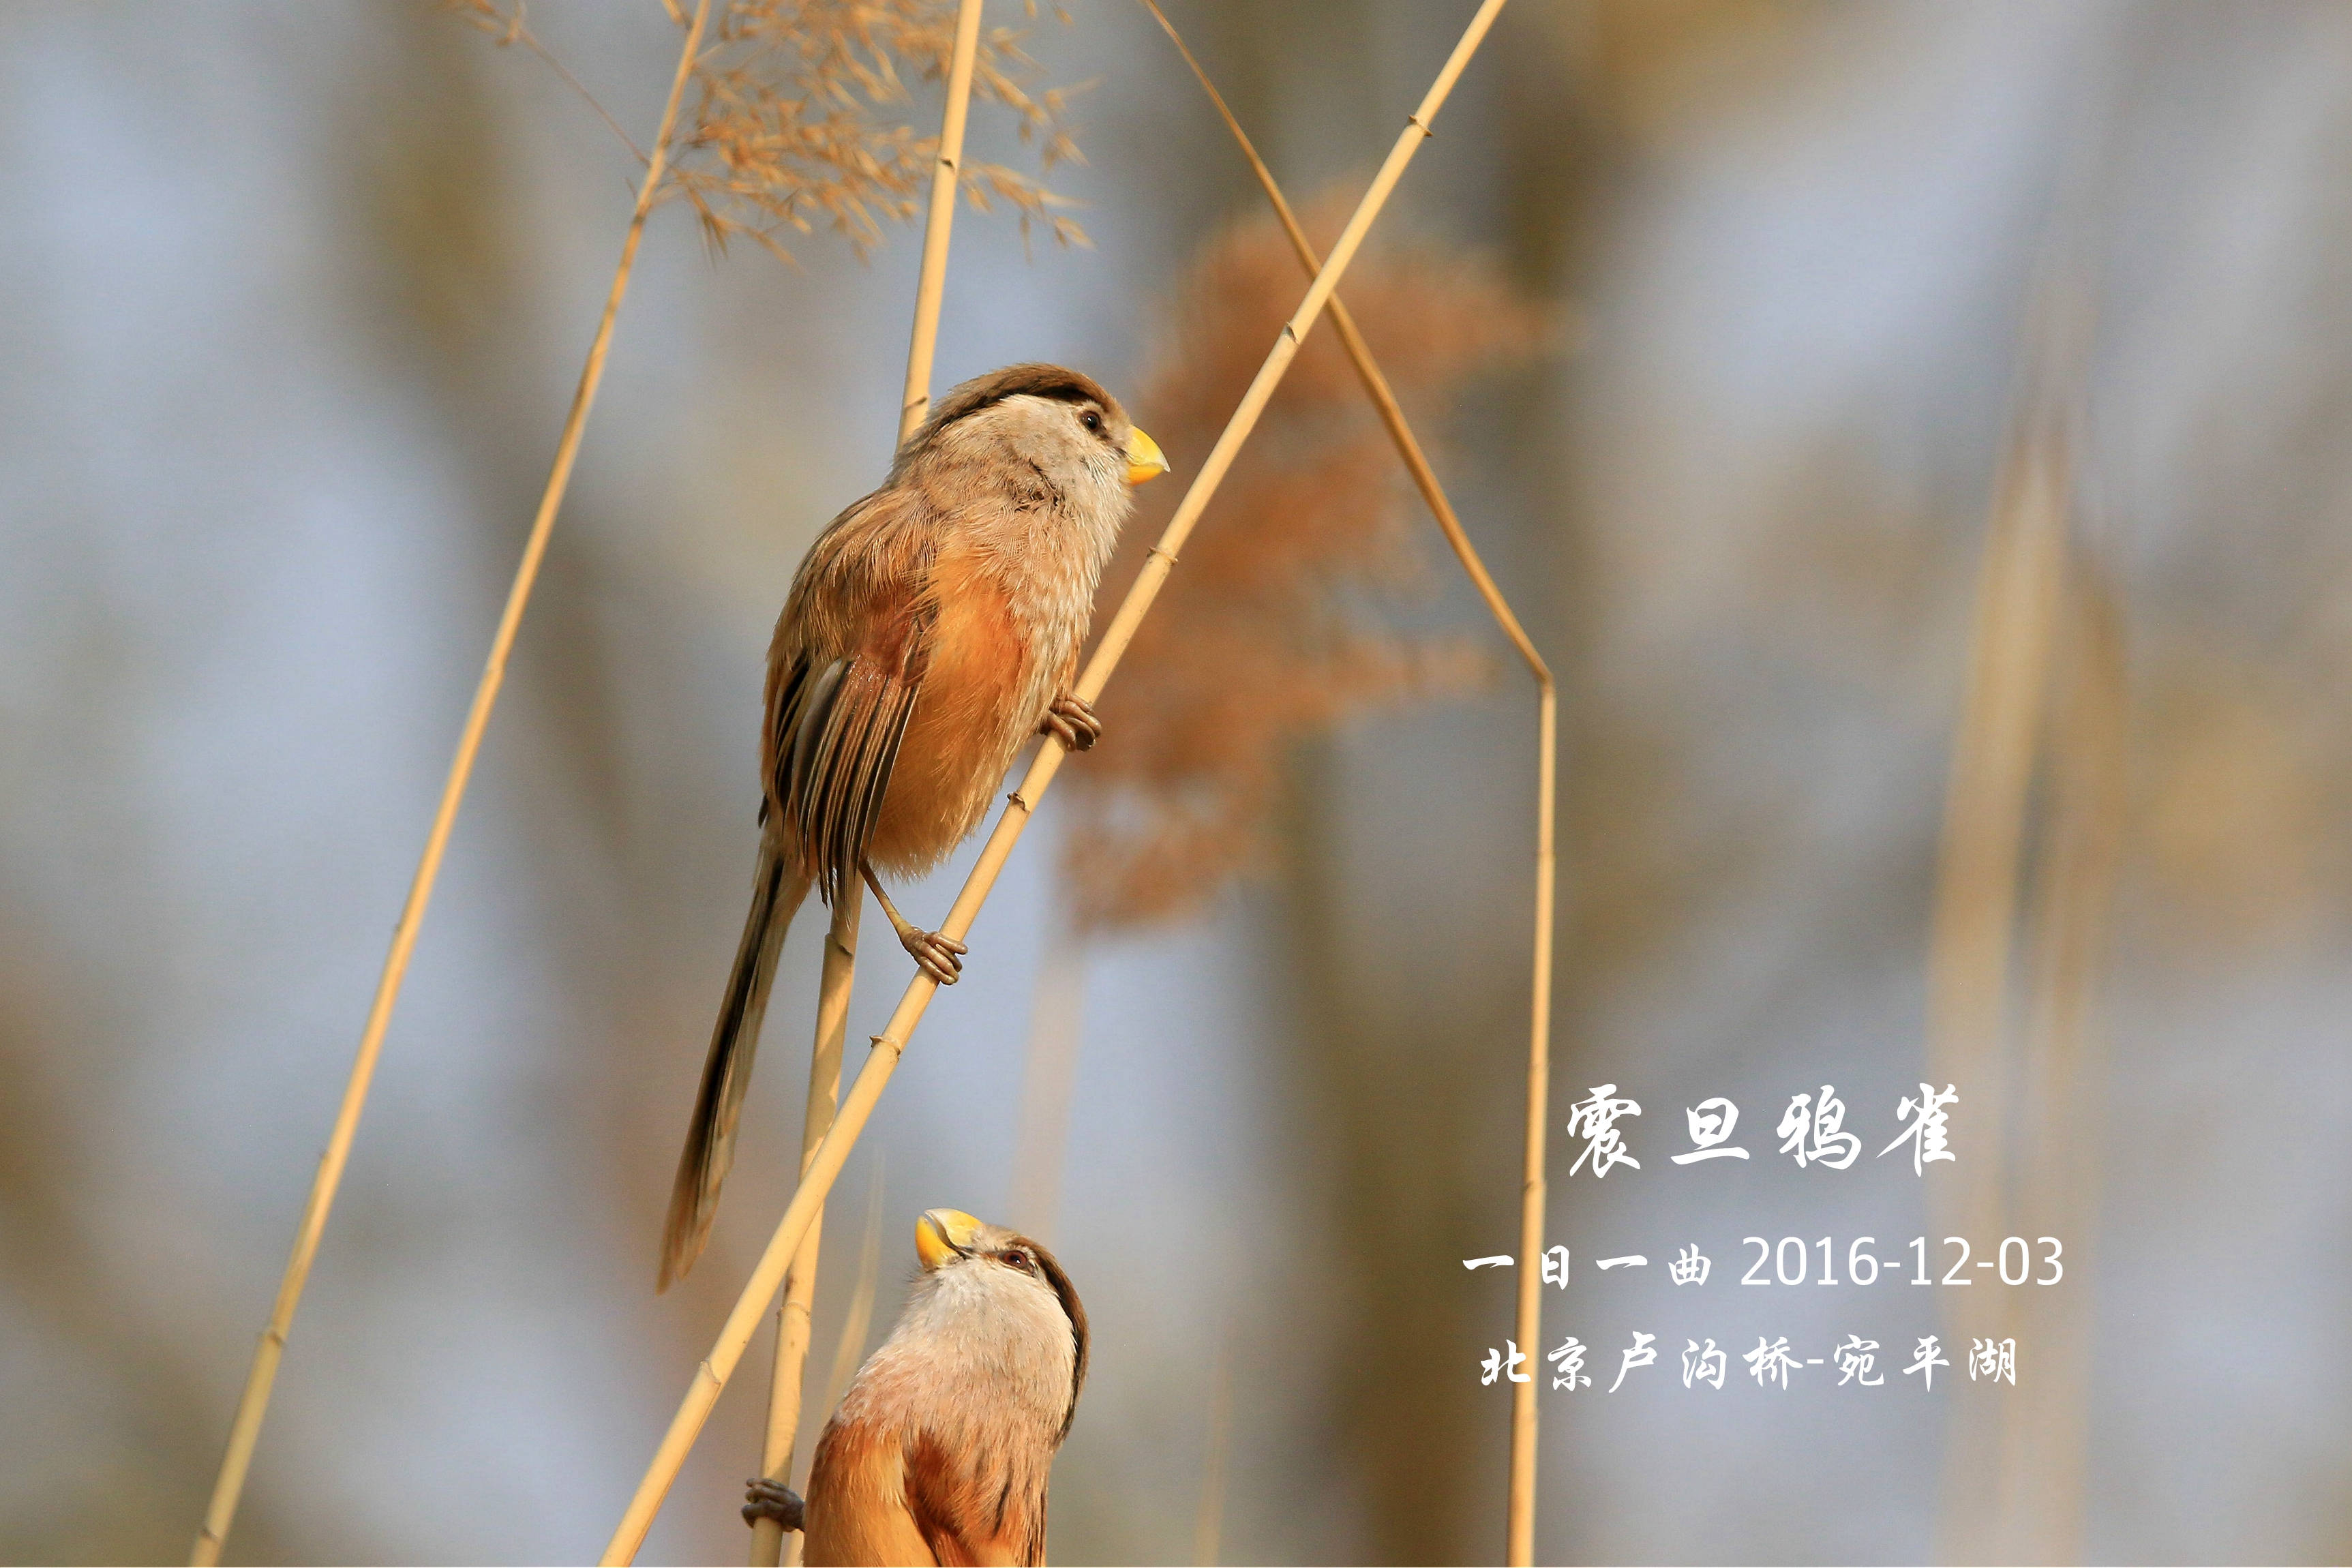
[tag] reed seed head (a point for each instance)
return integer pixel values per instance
(1282, 621)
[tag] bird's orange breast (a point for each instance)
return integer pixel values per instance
(857, 1510)
(970, 718)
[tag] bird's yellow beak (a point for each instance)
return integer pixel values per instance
(1144, 458)
(943, 1234)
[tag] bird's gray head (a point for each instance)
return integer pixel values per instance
(1042, 428)
(983, 1282)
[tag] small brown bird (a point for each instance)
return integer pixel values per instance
(941, 1448)
(933, 628)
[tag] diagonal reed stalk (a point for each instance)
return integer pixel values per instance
(792, 1318)
(1520, 1517)
(794, 1314)
(710, 1377)
(253, 1404)
(849, 1350)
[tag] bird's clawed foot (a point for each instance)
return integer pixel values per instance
(939, 957)
(1072, 721)
(771, 1500)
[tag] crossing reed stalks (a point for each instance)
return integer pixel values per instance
(793, 1320)
(1520, 1523)
(711, 1376)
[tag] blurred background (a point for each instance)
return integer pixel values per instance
(1931, 491)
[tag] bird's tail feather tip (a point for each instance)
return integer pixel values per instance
(726, 1069)
(687, 1229)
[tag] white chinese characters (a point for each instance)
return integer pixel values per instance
(1642, 1356)
(1711, 1121)
(1812, 1130)
(1773, 1364)
(1594, 1120)
(1996, 1361)
(1830, 1146)
(1505, 1361)
(1926, 1134)
(1771, 1361)
(1854, 1361)
(1925, 1360)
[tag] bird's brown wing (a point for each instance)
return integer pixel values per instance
(848, 664)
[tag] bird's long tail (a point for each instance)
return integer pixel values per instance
(776, 895)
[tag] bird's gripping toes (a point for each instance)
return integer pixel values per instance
(941, 1448)
(933, 629)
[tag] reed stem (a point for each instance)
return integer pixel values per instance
(710, 1377)
(1519, 1533)
(253, 1404)
(1520, 1523)
(794, 1315)
(1208, 1522)
(932, 284)
(793, 1324)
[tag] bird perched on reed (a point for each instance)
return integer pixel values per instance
(932, 629)
(940, 1450)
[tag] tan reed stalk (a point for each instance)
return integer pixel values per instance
(841, 948)
(1209, 1525)
(244, 1432)
(933, 281)
(1519, 1547)
(849, 1350)
(1520, 1518)
(711, 1376)
(2046, 1420)
(1969, 959)
(794, 1312)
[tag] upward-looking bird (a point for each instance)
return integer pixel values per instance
(933, 628)
(941, 1448)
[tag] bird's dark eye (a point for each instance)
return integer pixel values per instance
(1017, 1258)
(1092, 421)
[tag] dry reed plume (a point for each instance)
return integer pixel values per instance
(1275, 630)
(793, 123)
(786, 126)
